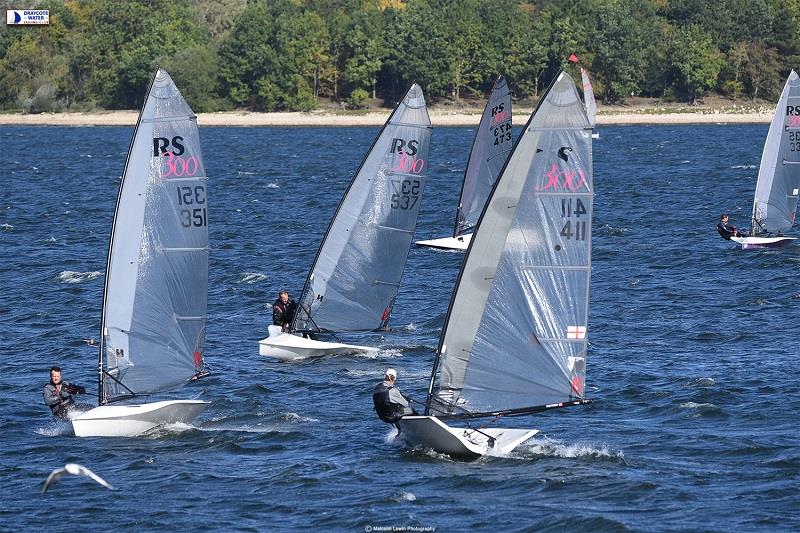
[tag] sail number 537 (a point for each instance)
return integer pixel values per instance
(191, 196)
(405, 194)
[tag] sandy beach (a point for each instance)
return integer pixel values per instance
(439, 118)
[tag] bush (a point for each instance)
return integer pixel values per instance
(356, 98)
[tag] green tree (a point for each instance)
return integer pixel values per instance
(697, 60)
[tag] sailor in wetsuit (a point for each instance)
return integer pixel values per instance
(390, 404)
(58, 394)
(726, 230)
(283, 311)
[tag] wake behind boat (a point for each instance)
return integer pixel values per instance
(156, 283)
(490, 149)
(778, 186)
(514, 340)
(352, 284)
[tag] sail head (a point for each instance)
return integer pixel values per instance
(490, 149)
(778, 187)
(356, 274)
(515, 335)
(154, 311)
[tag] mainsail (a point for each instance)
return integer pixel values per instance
(514, 339)
(588, 98)
(356, 274)
(156, 287)
(778, 187)
(490, 149)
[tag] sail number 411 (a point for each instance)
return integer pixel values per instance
(578, 229)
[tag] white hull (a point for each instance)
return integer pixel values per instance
(132, 420)
(430, 432)
(288, 347)
(448, 243)
(754, 243)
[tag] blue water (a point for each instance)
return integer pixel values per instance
(692, 359)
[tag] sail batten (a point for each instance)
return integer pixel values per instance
(155, 295)
(774, 205)
(490, 149)
(371, 232)
(515, 335)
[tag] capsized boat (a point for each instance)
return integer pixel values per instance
(156, 285)
(490, 149)
(352, 284)
(778, 186)
(589, 101)
(514, 340)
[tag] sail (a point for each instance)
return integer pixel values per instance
(778, 187)
(154, 310)
(356, 274)
(588, 98)
(490, 149)
(515, 333)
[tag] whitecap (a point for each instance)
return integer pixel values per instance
(7, 227)
(294, 417)
(554, 448)
(273, 186)
(405, 497)
(251, 277)
(70, 276)
(744, 166)
(695, 405)
(410, 327)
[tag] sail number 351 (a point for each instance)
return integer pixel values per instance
(191, 196)
(577, 230)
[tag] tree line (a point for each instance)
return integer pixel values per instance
(289, 55)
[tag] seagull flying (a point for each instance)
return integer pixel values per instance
(76, 470)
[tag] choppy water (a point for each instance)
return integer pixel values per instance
(692, 362)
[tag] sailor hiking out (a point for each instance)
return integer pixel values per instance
(390, 404)
(58, 394)
(283, 311)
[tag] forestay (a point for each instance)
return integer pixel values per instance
(588, 97)
(356, 274)
(515, 334)
(490, 149)
(775, 205)
(154, 310)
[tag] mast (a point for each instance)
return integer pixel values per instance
(100, 374)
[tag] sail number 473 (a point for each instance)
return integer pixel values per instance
(577, 230)
(191, 196)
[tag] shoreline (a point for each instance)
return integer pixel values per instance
(376, 118)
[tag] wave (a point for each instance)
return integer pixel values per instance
(273, 186)
(294, 417)
(745, 166)
(7, 227)
(70, 276)
(251, 277)
(554, 448)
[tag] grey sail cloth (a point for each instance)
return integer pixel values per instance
(588, 98)
(356, 274)
(490, 149)
(156, 291)
(778, 187)
(515, 334)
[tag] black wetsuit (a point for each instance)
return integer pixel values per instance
(390, 404)
(283, 313)
(727, 231)
(60, 400)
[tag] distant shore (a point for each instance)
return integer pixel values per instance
(615, 116)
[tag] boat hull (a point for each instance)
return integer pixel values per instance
(757, 243)
(448, 243)
(288, 347)
(133, 420)
(430, 432)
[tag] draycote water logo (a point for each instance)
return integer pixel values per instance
(27, 16)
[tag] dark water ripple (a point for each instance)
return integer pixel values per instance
(692, 359)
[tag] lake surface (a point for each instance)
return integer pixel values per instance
(692, 360)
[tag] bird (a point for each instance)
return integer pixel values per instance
(76, 470)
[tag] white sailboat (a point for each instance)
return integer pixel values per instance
(356, 273)
(156, 284)
(490, 149)
(778, 186)
(589, 101)
(514, 340)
